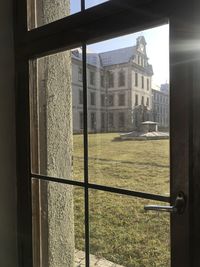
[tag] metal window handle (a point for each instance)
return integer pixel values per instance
(178, 207)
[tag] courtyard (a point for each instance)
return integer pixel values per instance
(120, 230)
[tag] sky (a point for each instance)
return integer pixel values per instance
(157, 48)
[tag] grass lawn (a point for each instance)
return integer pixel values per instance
(120, 230)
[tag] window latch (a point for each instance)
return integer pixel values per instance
(179, 205)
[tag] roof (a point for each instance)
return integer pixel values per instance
(117, 56)
(109, 58)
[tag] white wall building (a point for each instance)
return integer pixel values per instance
(118, 81)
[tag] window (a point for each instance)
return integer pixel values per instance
(139, 58)
(121, 79)
(111, 119)
(55, 39)
(147, 84)
(103, 120)
(93, 121)
(80, 96)
(121, 100)
(110, 100)
(136, 79)
(142, 100)
(142, 82)
(102, 81)
(136, 100)
(102, 100)
(110, 76)
(121, 119)
(80, 74)
(81, 120)
(92, 98)
(147, 101)
(92, 78)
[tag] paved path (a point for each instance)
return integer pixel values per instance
(94, 261)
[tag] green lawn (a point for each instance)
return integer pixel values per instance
(120, 230)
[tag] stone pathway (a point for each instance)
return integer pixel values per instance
(94, 261)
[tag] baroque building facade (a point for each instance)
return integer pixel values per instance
(119, 83)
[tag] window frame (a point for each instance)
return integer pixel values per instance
(59, 36)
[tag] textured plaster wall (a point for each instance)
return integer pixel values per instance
(8, 247)
(57, 141)
(59, 160)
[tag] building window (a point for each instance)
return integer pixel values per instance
(92, 78)
(142, 100)
(110, 100)
(147, 101)
(92, 98)
(81, 120)
(121, 100)
(136, 79)
(136, 100)
(103, 100)
(93, 120)
(80, 74)
(103, 120)
(142, 82)
(139, 60)
(147, 84)
(110, 79)
(111, 119)
(121, 119)
(121, 79)
(102, 81)
(80, 97)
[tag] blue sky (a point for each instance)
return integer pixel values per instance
(157, 44)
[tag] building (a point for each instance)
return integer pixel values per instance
(160, 102)
(118, 82)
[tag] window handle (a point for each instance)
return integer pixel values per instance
(179, 206)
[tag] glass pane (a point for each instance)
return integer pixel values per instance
(42, 12)
(90, 3)
(122, 233)
(128, 111)
(56, 98)
(58, 224)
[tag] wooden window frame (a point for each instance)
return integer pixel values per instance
(87, 27)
